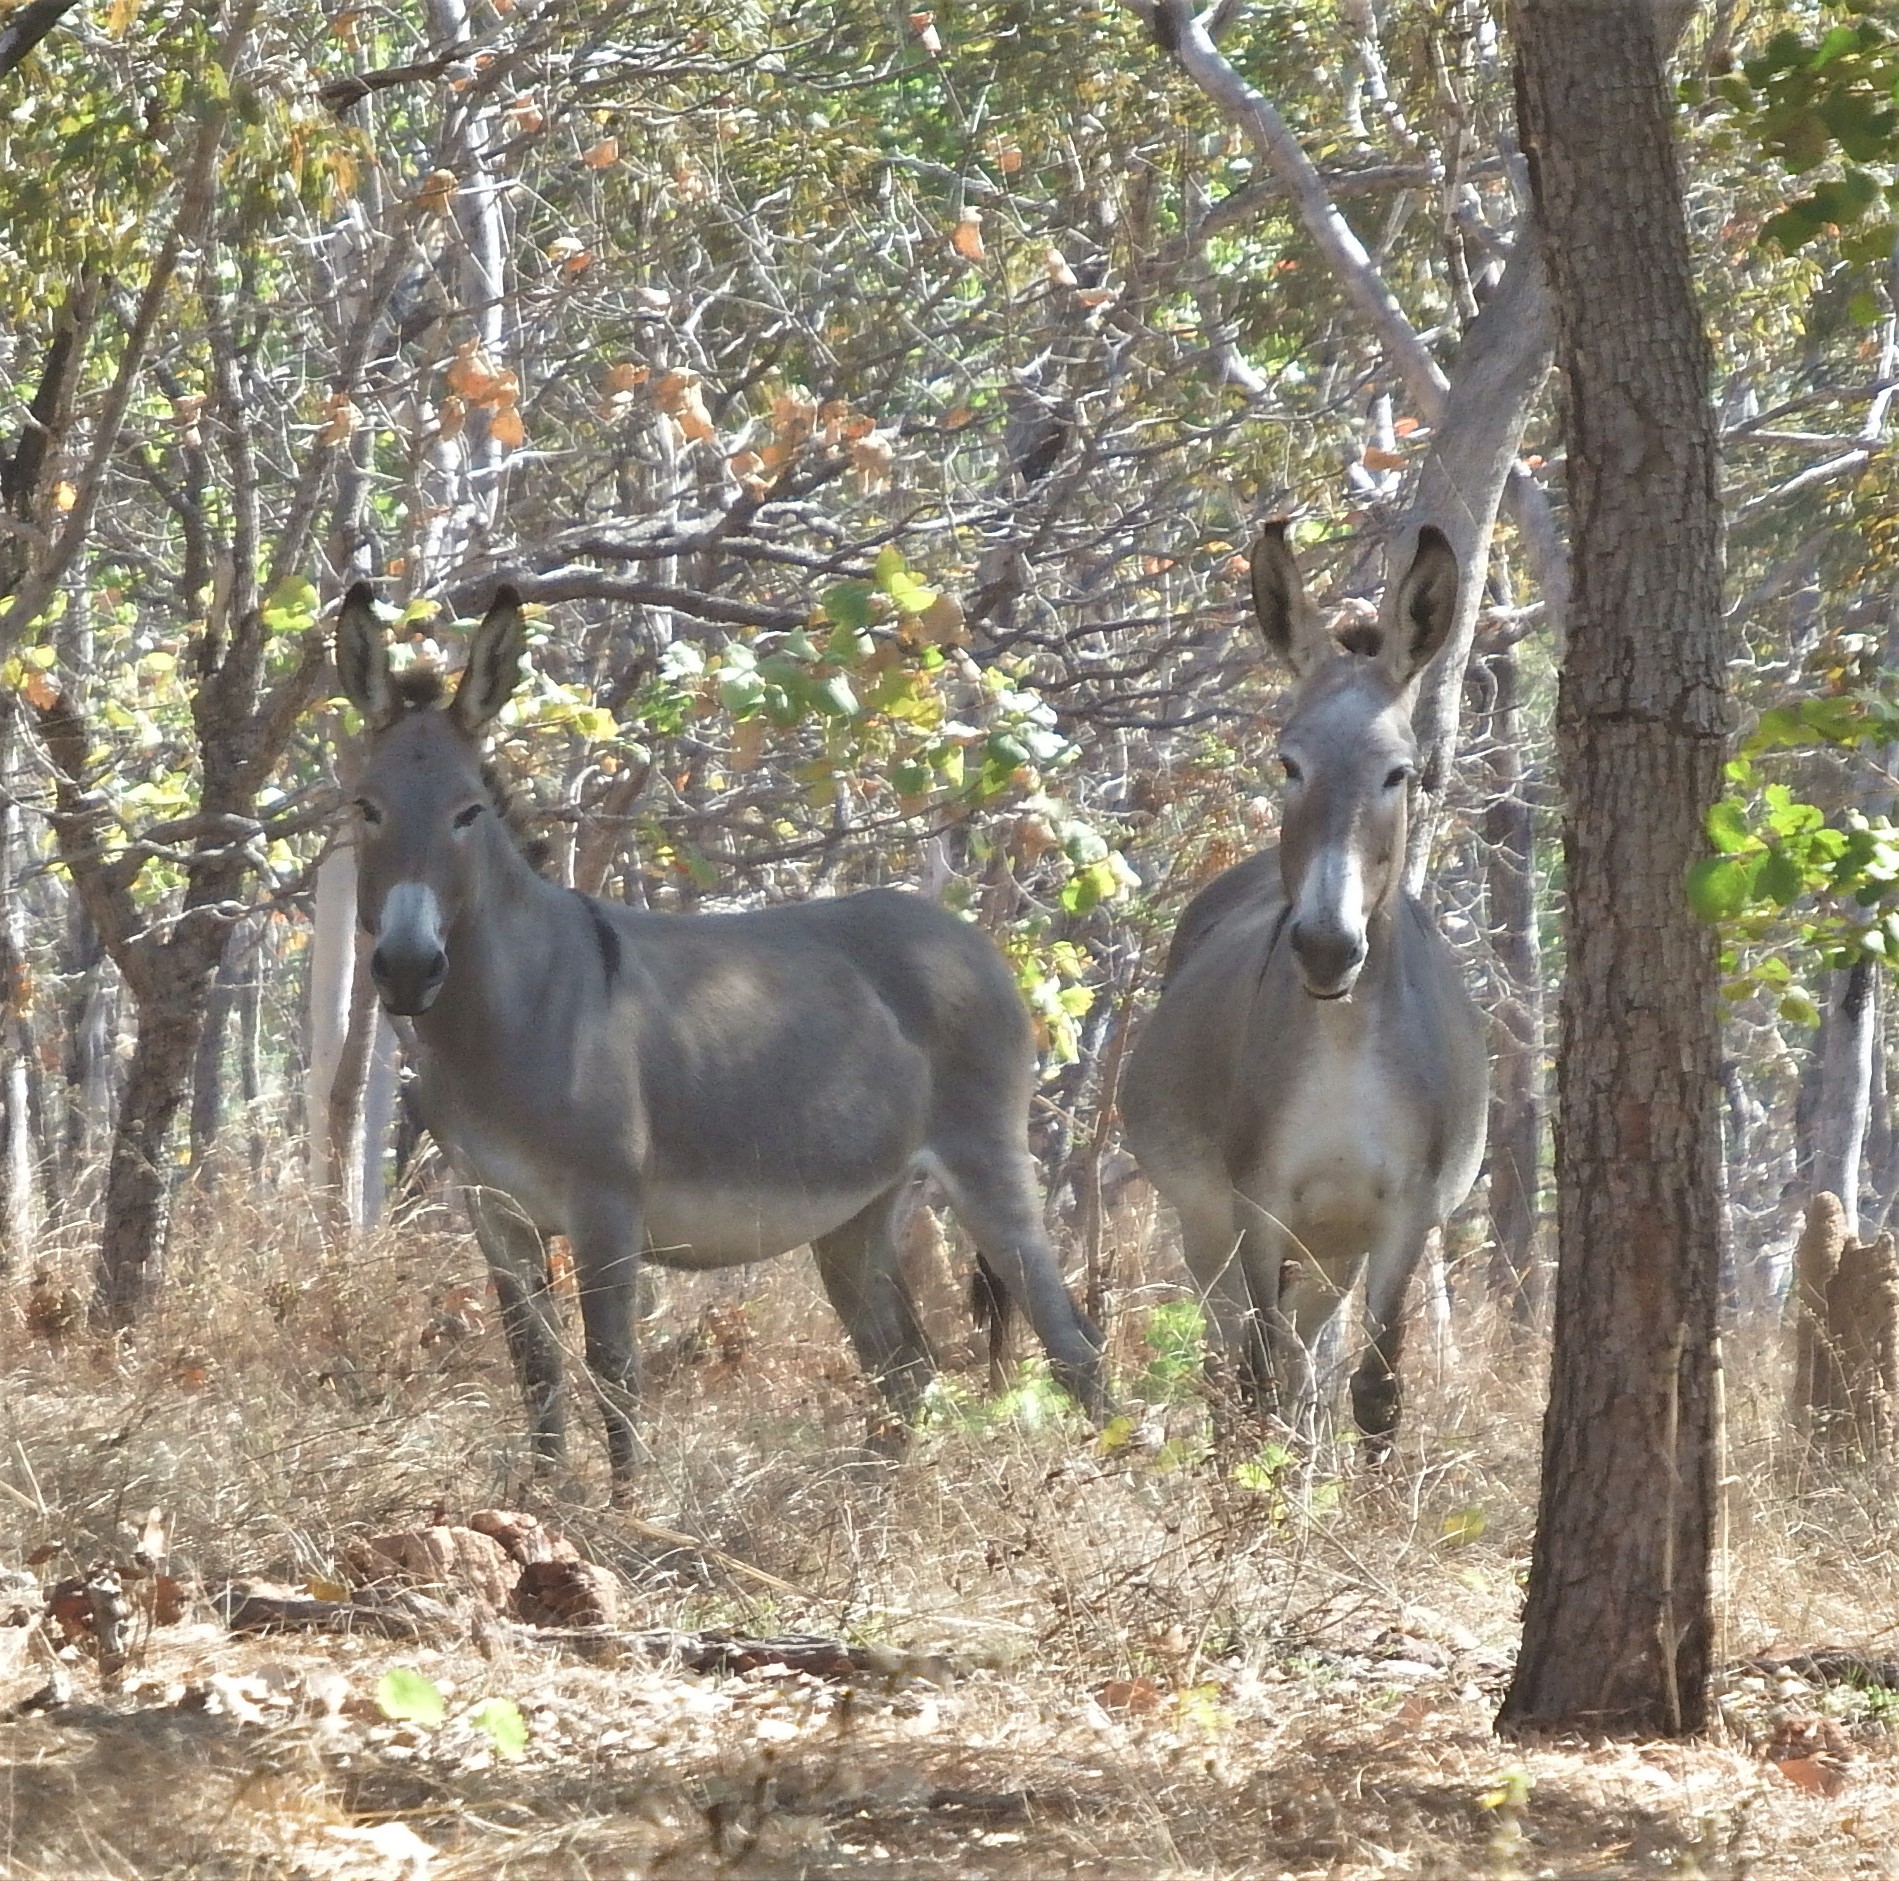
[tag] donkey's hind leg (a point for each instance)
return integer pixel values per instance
(992, 1188)
(517, 1258)
(863, 1279)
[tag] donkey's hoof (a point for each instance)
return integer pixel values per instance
(1376, 1403)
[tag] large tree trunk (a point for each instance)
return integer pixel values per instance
(1617, 1630)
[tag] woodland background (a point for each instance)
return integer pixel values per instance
(876, 405)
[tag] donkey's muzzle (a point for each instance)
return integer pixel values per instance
(407, 980)
(1330, 959)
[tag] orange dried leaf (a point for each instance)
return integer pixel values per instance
(1812, 1774)
(966, 237)
(602, 155)
(525, 114)
(41, 694)
(623, 376)
(1405, 426)
(65, 495)
(506, 428)
(924, 26)
(1008, 159)
(748, 742)
(340, 419)
(1134, 1696)
(451, 418)
(438, 188)
(471, 374)
(1375, 458)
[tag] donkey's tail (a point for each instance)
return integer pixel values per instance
(994, 1313)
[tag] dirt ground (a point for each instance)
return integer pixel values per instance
(1119, 1654)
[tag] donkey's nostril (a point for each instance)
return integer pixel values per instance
(1329, 957)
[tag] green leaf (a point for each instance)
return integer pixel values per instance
(1463, 1525)
(1797, 1008)
(1727, 827)
(847, 604)
(909, 778)
(742, 693)
(1792, 229)
(291, 605)
(1719, 888)
(834, 697)
(404, 1693)
(1779, 878)
(506, 1728)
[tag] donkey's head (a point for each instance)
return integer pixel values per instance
(423, 806)
(1347, 748)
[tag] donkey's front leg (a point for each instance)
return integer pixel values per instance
(605, 1227)
(1377, 1397)
(517, 1260)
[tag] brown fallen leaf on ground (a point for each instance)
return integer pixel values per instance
(1133, 1696)
(526, 1538)
(1813, 1753)
(455, 1563)
(566, 1593)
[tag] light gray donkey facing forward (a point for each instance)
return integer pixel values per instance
(1309, 1094)
(699, 1090)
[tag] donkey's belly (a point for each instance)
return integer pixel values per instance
(692, 1226)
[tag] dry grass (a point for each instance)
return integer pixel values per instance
(1162, 1662)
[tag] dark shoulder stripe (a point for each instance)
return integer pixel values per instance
(609, 941)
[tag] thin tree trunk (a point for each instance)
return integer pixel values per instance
(250, 1022)
(19, 1045)
(332, 974)
(1844, 1098)
(1617, 1631)
(207, 1071)
(138, 1183)
(1516, 1030)
(343, 1180)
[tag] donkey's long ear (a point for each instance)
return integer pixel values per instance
(1287, 618)
(362, 656)
(1419, 609)
(494, 663)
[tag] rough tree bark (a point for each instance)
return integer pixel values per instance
(1617, 1630)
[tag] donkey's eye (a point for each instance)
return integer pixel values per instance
(465, 817)
(1294, 775)
(1398, 774)
(369, 812)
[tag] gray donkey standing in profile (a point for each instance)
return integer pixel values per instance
(1309, 1093)
(698, 1090)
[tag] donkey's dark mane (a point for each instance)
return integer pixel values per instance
(539, 850)
(419, 688)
